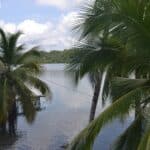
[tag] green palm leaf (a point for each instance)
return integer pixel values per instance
(3, 99)
(131, 137)
(32, 55)
(121, 86)
(3, 41)
(145, 142)
(86, 138)
(38, 84)
(26, 98)
(12, 45)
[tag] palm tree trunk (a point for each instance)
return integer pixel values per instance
(3, 127)
(137, 109)
(137, 103)
(94, 100)
(12, 118)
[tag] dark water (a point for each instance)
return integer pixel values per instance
(63, 117)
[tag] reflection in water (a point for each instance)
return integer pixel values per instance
(64, 116)
(7, 141)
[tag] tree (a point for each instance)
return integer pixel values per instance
(80, 64)
(19, 72)
(128, 23)
(95, 78)
(93, 57)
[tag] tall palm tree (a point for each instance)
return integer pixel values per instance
(128, 22)
(92, 57)
(19, 72)
(95, 79)
(95, 76)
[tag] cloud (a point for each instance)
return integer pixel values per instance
(62, 4)
(47, 35)
(33, 27)
(9, 27)
(68, 21)
(57, 3)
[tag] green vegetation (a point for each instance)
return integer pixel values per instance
(117, 40)
(18, 73)
(57, 56)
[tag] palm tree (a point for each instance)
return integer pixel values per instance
(95, 76)
(128, 22)
(92, 57)
(19, 72)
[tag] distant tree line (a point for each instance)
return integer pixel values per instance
(57, 56)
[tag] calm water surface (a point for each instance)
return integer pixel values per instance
(63, 117)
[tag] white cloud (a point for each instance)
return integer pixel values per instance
(68, 21)
(47, 35)
(57, 3)
(62, 4)
(9, 27)
(33, 27)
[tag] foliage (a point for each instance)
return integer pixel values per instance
(121, 106)
(57, 56)
(19, 73)
(123, 30)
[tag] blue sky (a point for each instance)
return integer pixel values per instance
(19, 10)
(46, 23)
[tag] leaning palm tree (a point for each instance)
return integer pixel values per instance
(95, 78)
(128, 22)
(19, 73)
(92, 58)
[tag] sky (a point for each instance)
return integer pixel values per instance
(45, 23)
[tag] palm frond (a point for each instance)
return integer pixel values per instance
(145, 141)
(3, 41)
(86, 138)
(20, 48)
(32, 55)
(38, 84)
(97, 55)
(12, 44)
(27, 74)
(3, 99)
(131, 137)
(30, 68)
(26, 98)
(94, 18)
(121, 86)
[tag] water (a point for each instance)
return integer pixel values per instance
(65, 115)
